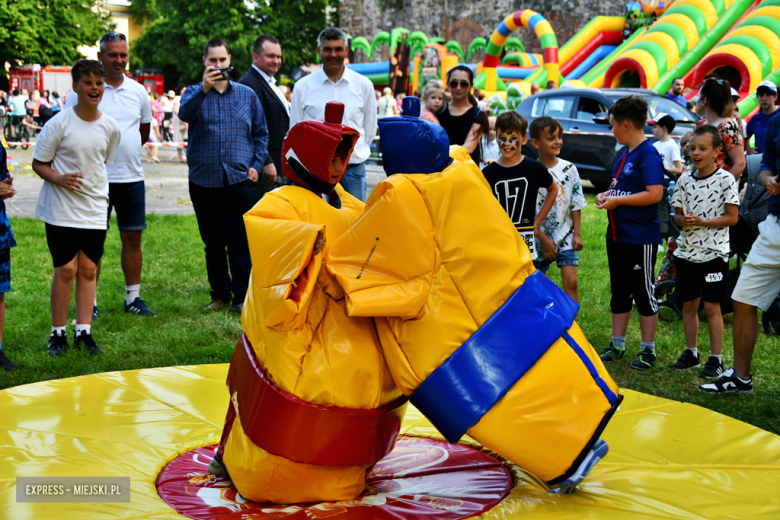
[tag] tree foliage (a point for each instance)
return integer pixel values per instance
(49, 32)
(177, 30)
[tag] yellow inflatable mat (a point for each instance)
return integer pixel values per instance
(667, 459)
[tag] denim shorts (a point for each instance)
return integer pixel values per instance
(565, 257)
(129, 199)
(5, 270)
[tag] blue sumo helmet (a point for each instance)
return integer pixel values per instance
(412, 145)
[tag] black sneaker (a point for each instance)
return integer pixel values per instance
(139, 307)
(713, 368)
(644, 360)
(58, 344)
(94, 312)
(85, 339)
(612, 353)
(729, 383)
(687, 360)
(6, 363)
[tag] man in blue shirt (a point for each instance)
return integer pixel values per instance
(759, 279)
(766, 93)
(675, 94)
(228, 145)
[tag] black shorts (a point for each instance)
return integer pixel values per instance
(65, 243)
(129, 199)
(708, 280)
(631, 271)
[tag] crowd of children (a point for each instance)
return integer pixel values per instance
(544, 199)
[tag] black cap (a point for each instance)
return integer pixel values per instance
(665, 121)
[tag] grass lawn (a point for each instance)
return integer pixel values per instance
(175, 286)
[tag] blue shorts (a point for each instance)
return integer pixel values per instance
(129, 199)
(5, 270)
(565, 257)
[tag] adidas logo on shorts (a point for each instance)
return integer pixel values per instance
(637, 268)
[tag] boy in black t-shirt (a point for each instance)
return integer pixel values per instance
(515, 180)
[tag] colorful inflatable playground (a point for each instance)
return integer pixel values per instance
(653, 43)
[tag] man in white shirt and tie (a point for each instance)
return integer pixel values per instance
(266, 60)
(334, 81)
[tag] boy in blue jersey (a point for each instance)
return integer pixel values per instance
(633, 233)
(6, 243)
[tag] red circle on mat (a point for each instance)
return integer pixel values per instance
(420, 478)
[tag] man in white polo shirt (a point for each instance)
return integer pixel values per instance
(126, 101)
(334, 81)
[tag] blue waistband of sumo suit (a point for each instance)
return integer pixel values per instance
(477, 375)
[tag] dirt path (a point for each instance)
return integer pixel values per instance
(167, 191)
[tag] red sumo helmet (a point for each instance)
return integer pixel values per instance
(309, 147)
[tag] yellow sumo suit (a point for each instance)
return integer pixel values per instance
(480, 342)
(313, 404)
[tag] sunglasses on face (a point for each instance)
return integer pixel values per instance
(459, 84)
(112, 37)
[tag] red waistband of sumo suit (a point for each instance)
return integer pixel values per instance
(285, 425)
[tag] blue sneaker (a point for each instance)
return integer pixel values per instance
(138, 306)
(598, 452)
(612, 353)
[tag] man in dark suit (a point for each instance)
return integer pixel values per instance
(266, 60)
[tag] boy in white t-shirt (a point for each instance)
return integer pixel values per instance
(71, 155)
(666, 146)
(560, 237)
(706, 203)
(670, 153)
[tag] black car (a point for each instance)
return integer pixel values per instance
(584, 110)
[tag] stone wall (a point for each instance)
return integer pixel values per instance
(469, 19)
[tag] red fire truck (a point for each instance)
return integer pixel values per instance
(58, 79)
(151, 79)
(35, 77)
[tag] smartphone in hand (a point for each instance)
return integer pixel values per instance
(225, 72)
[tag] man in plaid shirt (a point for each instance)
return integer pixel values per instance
(228, 145)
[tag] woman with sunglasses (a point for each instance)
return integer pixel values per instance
(715, 106)
(463, 121)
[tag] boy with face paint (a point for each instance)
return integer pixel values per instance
(302, 360)
(515, 180)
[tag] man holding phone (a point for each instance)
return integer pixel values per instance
(227, 149)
